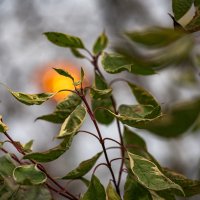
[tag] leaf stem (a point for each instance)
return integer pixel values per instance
(101, 141)
(96, 66)
(82, 131)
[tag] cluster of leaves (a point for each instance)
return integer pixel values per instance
(145, 177)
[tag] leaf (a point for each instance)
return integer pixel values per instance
(76, 53)
(101, 115)
(139, 111)
(63, 72)
(100, 44)
(31, 99)
(33, 193)
(134, 191)
(130, 119)
(111, 193)
(83, 168)
(194, 24)
(95, 191)
(155, 37)
(96, 93)
(3, 127)
(63, 109)
(136, 145)
(177, 121)
(64, 40)
(143, 96)
(28, 146)
(180, 7)
(190, 187)
(29, 175)
(148, 174)
(73, 122)
(51, 154)
(6, 165)
(115, 63)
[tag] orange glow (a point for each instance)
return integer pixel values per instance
(51, 81)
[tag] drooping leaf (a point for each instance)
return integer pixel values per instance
(63, 72)
(143, 96)
(100, 44)
(3, 127)
(135, 191)
(101, 115)
(73, 122)
(180, 7)
(83, 168)
(95, 190)
(6, 165)
(51, 154)
(29, 175)
(64, 40)
(63, 109)
(31, 99)
(190, 187)
(136, 145)
(155, 37)
(111, 193)
(76, 53)
(115, 63)
(177, 121)
(148, 174)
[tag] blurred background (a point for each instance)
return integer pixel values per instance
(26, 57)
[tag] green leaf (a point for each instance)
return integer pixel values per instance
(64, 40)
(136, 145)
(31, 99)
(180, 7)
(33, 193)
(82, 77)
(177, 121)
(111, 193)
(148, 174)
(29, 175)
(28, 146)
(96, 93)
(194, 24)
(190, 187)
(135, 191)
(76, 53)
(73, 122)
(115, 63)
(101, 115)
(83, 168)
(155, 37)
(3, 127)
(130, 119)
(143, 96)
(100, 44)
(63, 72)
(6, 165)
(95, 191)
(63, 109)
(139, 111)
(51, 154)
